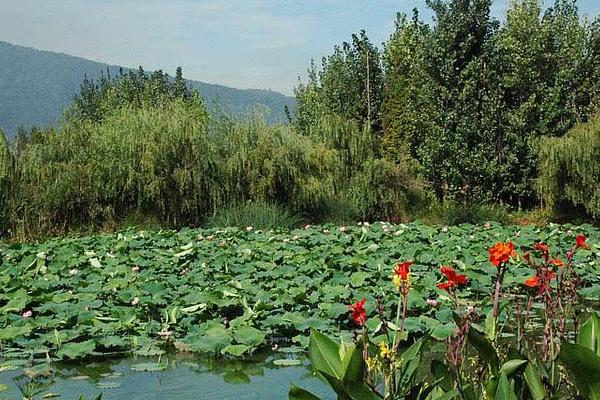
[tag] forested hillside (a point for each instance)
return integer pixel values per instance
(36, 86)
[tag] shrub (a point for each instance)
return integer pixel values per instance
(386, 191)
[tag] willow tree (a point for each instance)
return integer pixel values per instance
(6, 167)
(569, 169)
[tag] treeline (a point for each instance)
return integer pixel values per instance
(468, 97)
(142, 147)
(465, 111)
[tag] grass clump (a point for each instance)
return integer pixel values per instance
(259, 215)
(451, 212)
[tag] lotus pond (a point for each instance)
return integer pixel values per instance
(231, 294)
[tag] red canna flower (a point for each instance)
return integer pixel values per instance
(541, 281)
(500, 253)
(580, 242)
(532, 282)
(556, 262)
(359, 315)
(543, 247)
(454, 279)
(402, 270)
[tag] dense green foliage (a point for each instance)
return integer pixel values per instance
(142, 147)
(38, 85)
(570, 169)
(231, 291)
(467, 96)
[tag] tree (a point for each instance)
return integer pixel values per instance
(137, 89)
(6, 167)
(349, 85)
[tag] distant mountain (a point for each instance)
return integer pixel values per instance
(36, 86)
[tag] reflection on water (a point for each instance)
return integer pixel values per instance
(182, 378)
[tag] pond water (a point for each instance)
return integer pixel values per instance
(182, 378)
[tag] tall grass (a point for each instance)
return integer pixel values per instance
(258, 215)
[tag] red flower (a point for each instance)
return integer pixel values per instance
(541, 281)
(403, 269)
(543, 247)
(580, 242)
(527, 257)
(359, 315)
(532, 282)
(556, 262)
(500, 253)
(454, 279)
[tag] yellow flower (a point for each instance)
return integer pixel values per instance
(384, 350)
(371, 363)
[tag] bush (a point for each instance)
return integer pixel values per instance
(569, 172)
(386, 191)
(259, 215)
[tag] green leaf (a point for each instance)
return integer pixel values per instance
(352, 368)
(584, 365)
(235, 350)
(589, 335)
(511, 366)
(357, 279)
(297, 393)
(324, 355)
(490, 326)
(77, 350)
(18, 301)
(505, 390)
(148, 367)
(249, 336)
(12, 332)
(442, 332)
(95, 263)
(534, 382)
(287, 362)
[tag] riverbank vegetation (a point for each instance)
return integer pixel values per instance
(465, 119)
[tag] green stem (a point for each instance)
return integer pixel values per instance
(397, 321)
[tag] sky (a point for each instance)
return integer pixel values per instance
(264, 44)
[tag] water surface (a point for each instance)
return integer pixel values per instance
(183, 378)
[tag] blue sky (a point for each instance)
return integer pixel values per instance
(241, 43)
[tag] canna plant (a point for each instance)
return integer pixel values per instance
(506, 355)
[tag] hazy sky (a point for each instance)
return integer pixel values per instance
(241, 43)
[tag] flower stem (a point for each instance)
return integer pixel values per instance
(495, 311)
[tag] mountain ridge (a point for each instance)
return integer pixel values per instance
(37, 85)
